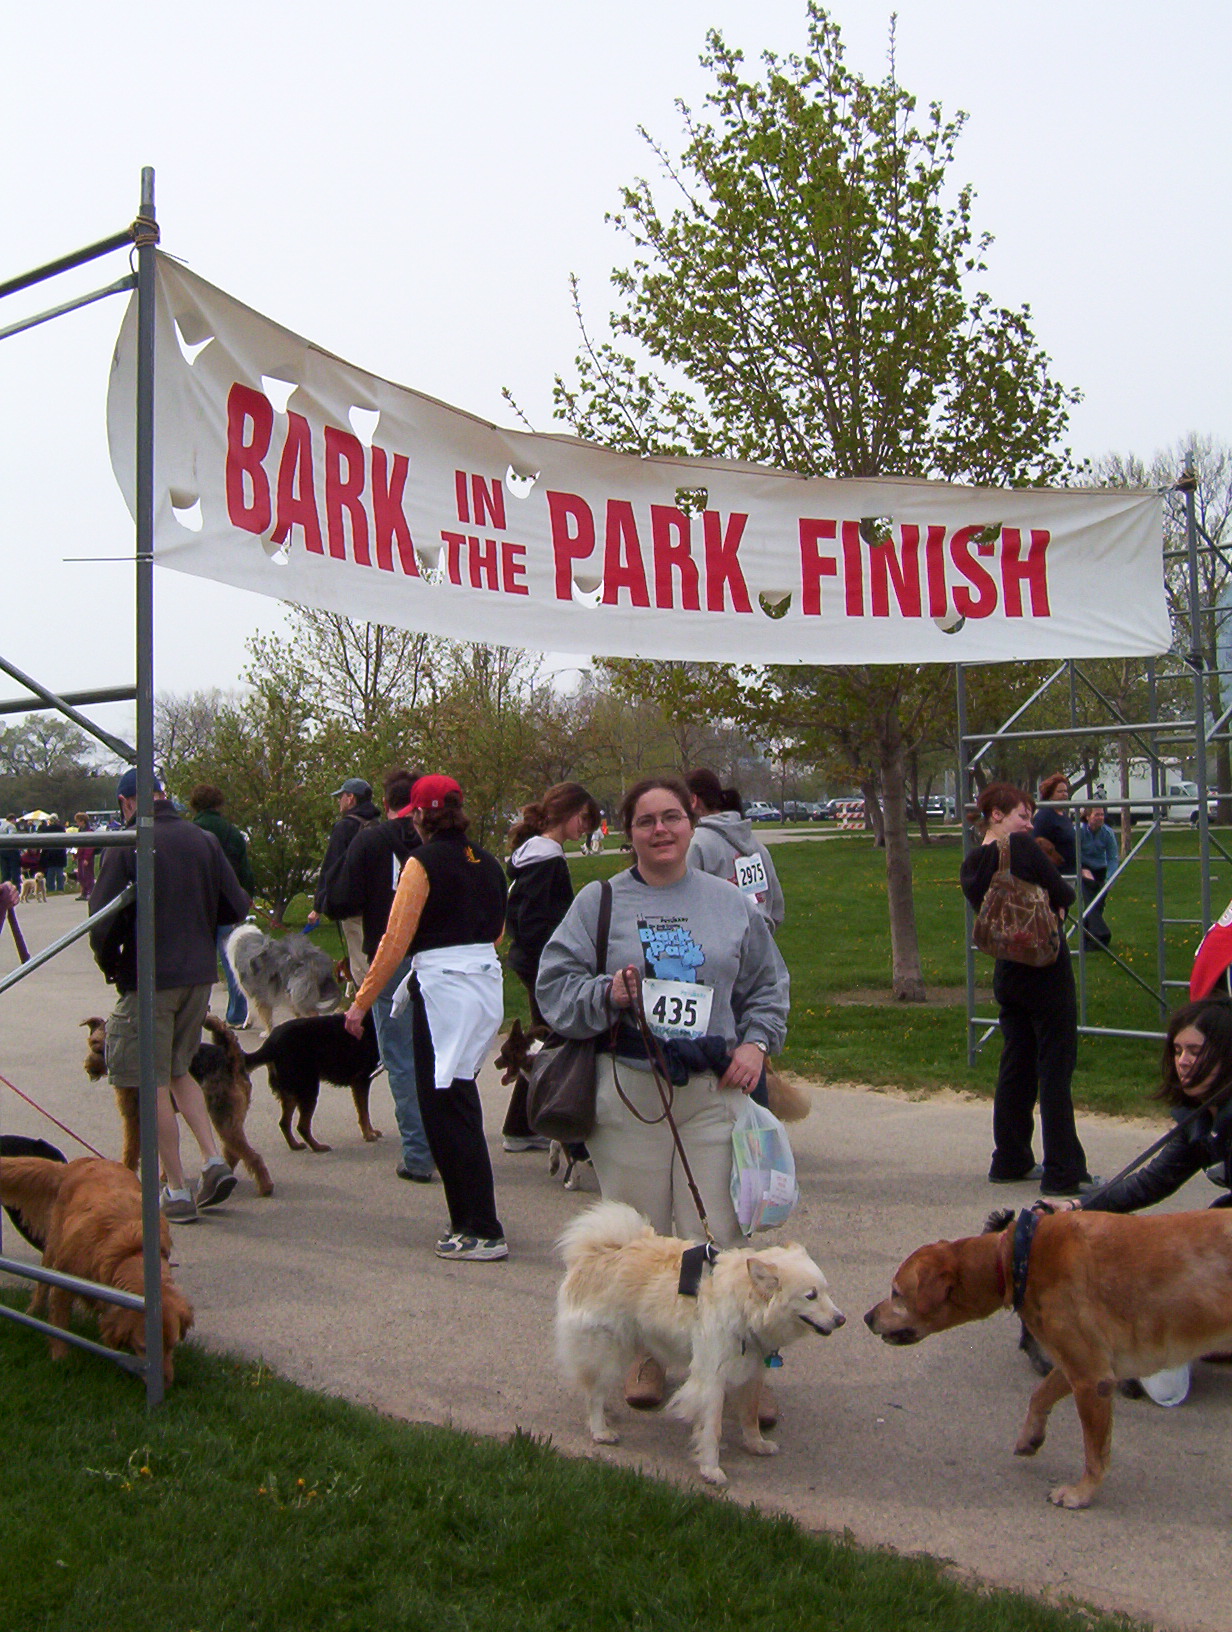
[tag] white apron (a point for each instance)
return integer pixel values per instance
(464, 997)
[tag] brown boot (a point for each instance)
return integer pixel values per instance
(645, 1384)
(767, 1408)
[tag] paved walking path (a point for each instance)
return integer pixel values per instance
(333, 1281)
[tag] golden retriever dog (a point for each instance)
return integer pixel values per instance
(34, 888)
(89, 1214)
(219, 1068)
(1109, 1295)
(620, 1299)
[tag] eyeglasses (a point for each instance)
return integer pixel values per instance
(668, 818)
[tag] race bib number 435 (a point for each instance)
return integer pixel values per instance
(677, 1008)
(751, 875)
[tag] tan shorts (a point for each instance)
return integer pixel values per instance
(178, 1013)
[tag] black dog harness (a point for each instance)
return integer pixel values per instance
(1020, 1262)
(694, 1262)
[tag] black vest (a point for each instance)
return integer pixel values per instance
(466, 894)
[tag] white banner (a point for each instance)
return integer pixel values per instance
(281, 469)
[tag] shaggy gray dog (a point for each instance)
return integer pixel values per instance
(291, 973)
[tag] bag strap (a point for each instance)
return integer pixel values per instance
(604, 925)
(1003, 853)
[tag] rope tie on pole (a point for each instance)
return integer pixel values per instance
(144, 231)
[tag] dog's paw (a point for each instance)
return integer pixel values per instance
(761, 1447)
(606, 1436)
(372, 1135)
(1071, 1496)
(713, 1475)
(1028, 1443)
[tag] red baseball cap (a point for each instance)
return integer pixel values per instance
(430, 792)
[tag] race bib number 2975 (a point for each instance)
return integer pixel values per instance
(751, 875)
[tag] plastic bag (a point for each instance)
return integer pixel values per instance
(763, 1182)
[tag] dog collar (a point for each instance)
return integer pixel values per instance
(1024, 1235)
(694, 1262)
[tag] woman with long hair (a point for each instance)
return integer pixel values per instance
(540, 894)
(1039, 1015)
(448, 912)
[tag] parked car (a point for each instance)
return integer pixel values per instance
(759, 811)
(938, 809)
(794, 810)
(819, 811)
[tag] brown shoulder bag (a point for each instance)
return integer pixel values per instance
(1016, 921)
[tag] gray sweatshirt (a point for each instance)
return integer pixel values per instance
(699, 930)
(723, 844)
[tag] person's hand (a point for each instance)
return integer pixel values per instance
(354, 1021)
(1087, 873)
(311, 922)
(1049, 1204)
(744, 1069)
(624, 988)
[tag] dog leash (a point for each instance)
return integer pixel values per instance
(63, 1128)
(662, 1081)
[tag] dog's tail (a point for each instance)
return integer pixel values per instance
(259, 1056)
(788, 1102)
(30, 1184)
(605, 1227)
(227, 1041)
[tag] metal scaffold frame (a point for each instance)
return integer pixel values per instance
(1192, 737)
(140, 239)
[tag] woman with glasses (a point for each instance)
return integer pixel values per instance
(715, 992)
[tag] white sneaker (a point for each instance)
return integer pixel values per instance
(1167, 1387)
(535, 1141)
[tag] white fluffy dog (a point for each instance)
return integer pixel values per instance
(620, 1299)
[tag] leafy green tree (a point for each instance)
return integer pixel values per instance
(810, 298)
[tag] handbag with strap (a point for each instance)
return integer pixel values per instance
(1016, 921)
(560, 1096)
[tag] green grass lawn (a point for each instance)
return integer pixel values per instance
(248, 1503)
(836, 940)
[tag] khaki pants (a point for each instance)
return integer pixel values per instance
(353, 935)
(640, 1165)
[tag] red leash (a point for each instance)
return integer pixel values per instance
(51, 1118)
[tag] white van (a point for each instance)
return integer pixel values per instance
(1179, 795)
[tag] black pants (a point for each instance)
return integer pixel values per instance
(1039, 1029)
(453, 1122)
(1094, 922)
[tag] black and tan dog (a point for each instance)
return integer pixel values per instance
(219, 1068)
(1109, 1296)
(300, 1054)
(17, 1144)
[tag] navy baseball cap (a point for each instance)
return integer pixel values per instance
(128, 785)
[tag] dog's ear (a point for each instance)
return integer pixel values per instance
(933, 1285)
(765, 1282)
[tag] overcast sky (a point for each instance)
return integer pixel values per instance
(410, 185)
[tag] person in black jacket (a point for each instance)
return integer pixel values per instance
(195, 890)
(361, 890)
(206, 802)
(1039, 1016)
(355, 812)
(1196, 1070)
(1057, 826)
(55, 862)
(540, 894)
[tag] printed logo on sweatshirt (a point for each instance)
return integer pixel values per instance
(671, 951)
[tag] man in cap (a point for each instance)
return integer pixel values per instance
(355, 812)
(364, 885)
(195, 890)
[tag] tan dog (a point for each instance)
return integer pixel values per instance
(621, 1299)
(219, 1068)
(1109, 1295)
(89, 1214)
(34, 888)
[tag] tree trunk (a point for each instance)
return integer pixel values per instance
(907, 975)
(872, 812)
